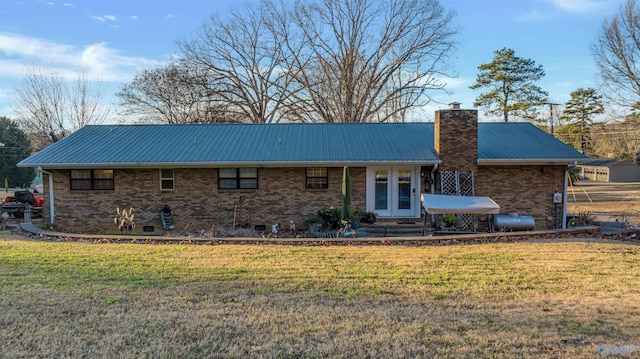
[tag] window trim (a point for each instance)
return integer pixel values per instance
(92, 180)
(307, 177)
(238, 178)
(172, 178)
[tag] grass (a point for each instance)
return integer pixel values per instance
(553, 299)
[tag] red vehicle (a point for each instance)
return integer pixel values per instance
(20, 201)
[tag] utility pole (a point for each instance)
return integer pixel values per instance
(551, 129)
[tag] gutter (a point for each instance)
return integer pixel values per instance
(258, 164)
(527, 161)
(564, 199)
(52, 207)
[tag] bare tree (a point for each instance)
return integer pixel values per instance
(326, 60)
(242, 56)
(366, 60)
(172, 94)
(617, 55)
(84, 102)
(620, 140)
(49, 107)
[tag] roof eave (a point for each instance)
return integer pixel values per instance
(132, 165)
(528, 161)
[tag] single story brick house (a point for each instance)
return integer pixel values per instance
(262, 174)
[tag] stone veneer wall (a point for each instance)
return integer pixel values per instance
(197, 202)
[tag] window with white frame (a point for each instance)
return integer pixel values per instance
(238, 178)
(167, 180)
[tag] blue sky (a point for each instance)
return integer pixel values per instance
(113, 39)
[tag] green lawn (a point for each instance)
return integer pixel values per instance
(551, 299)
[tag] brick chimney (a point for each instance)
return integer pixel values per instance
(456, 138)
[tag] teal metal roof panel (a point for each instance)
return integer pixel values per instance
(240, 143)
(235, 144)
(521, 141)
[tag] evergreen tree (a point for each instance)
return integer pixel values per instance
(510, 81)
(14, 147)
(579, 112)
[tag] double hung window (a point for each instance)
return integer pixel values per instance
(238, 178)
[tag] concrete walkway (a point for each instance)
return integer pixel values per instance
(30, 228)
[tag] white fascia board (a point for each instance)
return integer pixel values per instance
(227, 164)
(528, 162)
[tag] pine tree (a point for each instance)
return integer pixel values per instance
(14, 147)
(579, 112)
(510, 80)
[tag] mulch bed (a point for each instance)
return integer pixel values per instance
(629, 237)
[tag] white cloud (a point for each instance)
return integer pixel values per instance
(556, 7)
(51, 4)
(133, 17)
(104, 18)
(14, 45)
(457, 82)
(4, 94)
(67, 4)
(6, 98)
(170, 16)
(535, 15)
(20, 55)
(18, 52)
(579, 6)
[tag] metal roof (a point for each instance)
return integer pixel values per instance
(239, 144)
(122, 146)
(607, 162)
(522, 143)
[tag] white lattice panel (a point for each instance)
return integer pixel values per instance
(459, 184)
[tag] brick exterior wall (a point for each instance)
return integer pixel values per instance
(197, 202)
(527, 190)
(282, 196)
(456, 139)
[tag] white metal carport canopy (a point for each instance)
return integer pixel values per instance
(443, 204)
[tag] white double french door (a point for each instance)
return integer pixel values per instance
(393, 191)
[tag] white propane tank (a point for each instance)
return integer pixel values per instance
(513, 222)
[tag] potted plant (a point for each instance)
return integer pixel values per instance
(368, 217)
(449, 220)
(356, 217)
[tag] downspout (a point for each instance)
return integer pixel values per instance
(433, 191)
(51, 204)
(433, 178)
(564, 198)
